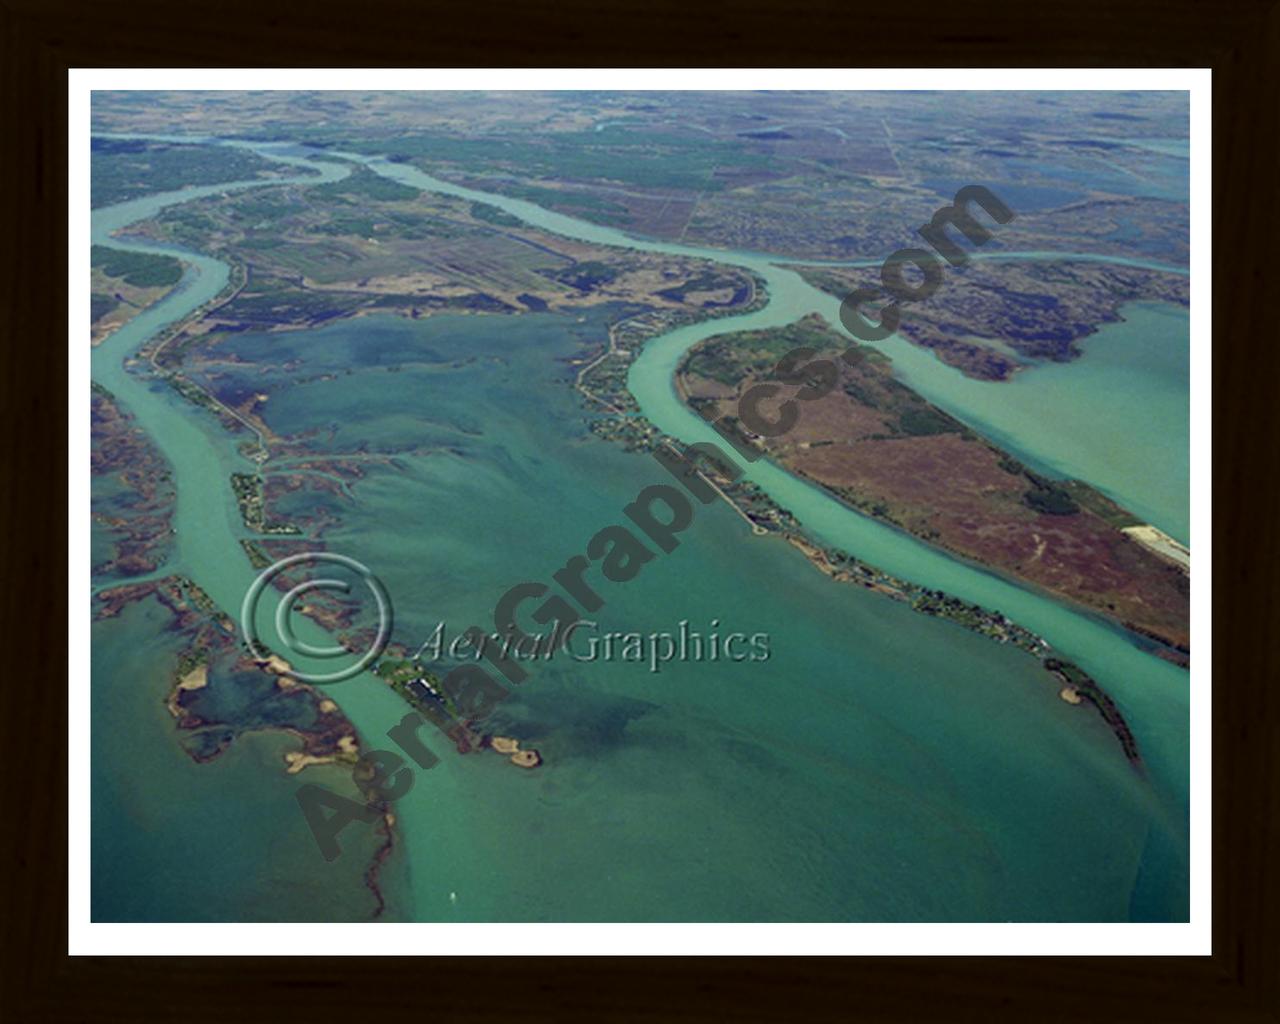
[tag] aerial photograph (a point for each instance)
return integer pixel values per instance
(639, 506)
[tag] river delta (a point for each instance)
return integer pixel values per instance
(881, 765)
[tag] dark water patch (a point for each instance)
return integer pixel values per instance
(1022, 198)
(250, 700)
(589, 724)
(172, 839)
(1088, 144)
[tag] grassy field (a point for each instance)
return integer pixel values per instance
(126, 169)
(882, 448)
(140, 269)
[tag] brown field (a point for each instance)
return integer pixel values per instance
(993, 316)
(881, 448)
(310, 257)
(129, 299)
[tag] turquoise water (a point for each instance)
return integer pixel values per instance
(1118, 417)
(873, 737)
(173, 840)
(884, 766)
(235, 821)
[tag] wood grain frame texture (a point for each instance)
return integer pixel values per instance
(1239, 39)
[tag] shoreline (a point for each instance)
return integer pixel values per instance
(636, 433)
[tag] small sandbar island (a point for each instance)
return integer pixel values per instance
(1162, 544)
(522, 758)
(196, 679)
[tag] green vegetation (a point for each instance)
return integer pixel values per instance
(921, 419)
(731, 359)
(1066, 497)
(1100, 505)
(364, 182)
(861, 394)
(188, 661)
(140, 269)
(397, 671)
(125, 169)
(248, 491)
(586, 275)
(971, 616)
(389, 222)
(1049, 497)
(100, 305)
(1076, 678)
(1070, 489)
(857, 355)
(1053, 502)
(645, 159)
(399, 674)
(268, 301)
(193, 393)
(581, 204)
(709, 281)
(193, 592)
(258, 558)
(493, 215)
(256, 206)
(188, 227)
